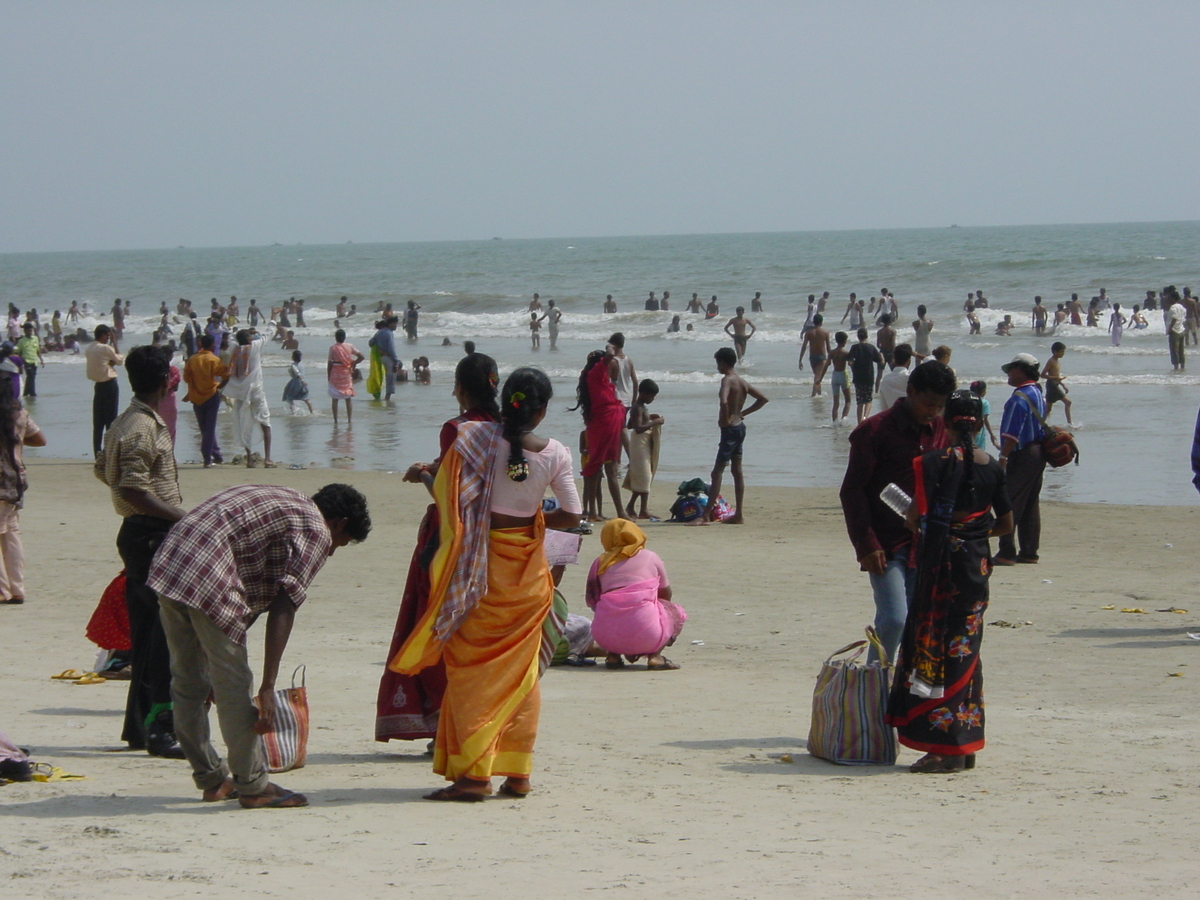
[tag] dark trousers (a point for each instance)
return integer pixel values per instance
(206, 421)
(1025, 470)
(1177, 344)
(150, 679)
(30, 380)
(104, 410)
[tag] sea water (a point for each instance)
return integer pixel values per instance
(1133, 416)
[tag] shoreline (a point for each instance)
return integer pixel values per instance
(671, 783)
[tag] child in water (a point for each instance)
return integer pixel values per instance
(297, 387)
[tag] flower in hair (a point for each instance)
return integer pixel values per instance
(518, 471)
(493, 379)
(515, 399)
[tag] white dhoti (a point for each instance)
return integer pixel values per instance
(249, 414)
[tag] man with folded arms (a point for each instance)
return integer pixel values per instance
(248, 550)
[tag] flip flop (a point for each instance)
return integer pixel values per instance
(68, 675)
(91, 678)
(456, 795)
(509, 791)
(665, 666)
(280, 802)
(270, 465)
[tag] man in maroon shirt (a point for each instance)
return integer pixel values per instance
(882, 450)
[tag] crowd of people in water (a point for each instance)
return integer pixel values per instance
(480, 618)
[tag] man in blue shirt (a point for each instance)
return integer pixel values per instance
(385, 342)
(1021, 435)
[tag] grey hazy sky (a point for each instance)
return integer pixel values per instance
(129, 125)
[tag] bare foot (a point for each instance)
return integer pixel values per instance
(735, 519)
(223, 791)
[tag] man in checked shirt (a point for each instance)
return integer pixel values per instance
(247, 550)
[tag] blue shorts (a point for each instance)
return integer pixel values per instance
(730, 445)
(839, 380)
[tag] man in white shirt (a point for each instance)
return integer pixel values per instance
(1176, 319)
(244, 386)
(894, 384)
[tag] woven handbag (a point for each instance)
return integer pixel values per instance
(849, 703)
(286, 744)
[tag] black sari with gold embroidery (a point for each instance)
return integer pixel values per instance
(936, 702)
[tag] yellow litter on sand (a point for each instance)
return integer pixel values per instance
(68, 675)
(1174, 609)
(1133, 609)
(47, 772)
(1110, 606)
(1174, 674)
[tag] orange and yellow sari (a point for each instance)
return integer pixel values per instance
(486, 628)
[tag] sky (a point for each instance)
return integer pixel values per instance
(140, 125)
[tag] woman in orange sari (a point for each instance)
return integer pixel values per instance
(490, 590)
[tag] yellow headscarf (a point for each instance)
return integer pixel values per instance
(621, 539)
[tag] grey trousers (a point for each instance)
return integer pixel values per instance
(204, 660)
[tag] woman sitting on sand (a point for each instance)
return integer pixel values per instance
(491, 590)
(604, 418)
(407, 706)
(627, 588)
(961, 500)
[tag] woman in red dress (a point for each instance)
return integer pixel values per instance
(407, 706)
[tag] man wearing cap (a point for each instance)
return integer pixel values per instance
(1021, 436)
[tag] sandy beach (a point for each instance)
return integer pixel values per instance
(646, 784)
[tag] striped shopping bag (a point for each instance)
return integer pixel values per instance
(286, 744)
(849, 703)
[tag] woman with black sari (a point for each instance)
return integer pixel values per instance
(960, 501)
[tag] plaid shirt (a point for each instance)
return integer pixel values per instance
(139, 454)
(232, 555)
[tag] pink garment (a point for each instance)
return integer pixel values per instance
(341, 380)
(629, 616)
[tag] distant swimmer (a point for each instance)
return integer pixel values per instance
(665, 303)
(756, 303)
(973, 325)
(1052, 372)
(851, 310)
(1039, 315)
(981, 302)
(731, 419)
(866, 371)
(809, 313)
(736, 329)
(1075, 308)
(1004, 327)
(339, 311)
(535, 305)
(651, 303)
(1136, 320)
(922, 326)
(1060, 316)
(535, 327)
(552, 317)
(1116, 325)
(610, 305)
(885, 339)
(822, 302)
(1093, 313)
(673, 328)
(712, 310)
(837, 380)
(694, 305)
(816, 342)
